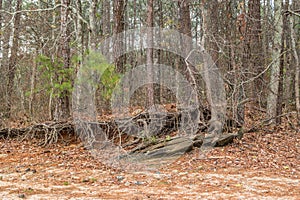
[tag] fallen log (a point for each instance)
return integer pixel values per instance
(157, 151)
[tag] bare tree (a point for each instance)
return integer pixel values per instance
(244, 38)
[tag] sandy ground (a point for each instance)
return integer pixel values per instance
(242, 170)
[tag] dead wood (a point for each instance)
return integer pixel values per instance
(153, 134)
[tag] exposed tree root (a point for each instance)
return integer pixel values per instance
(48, 133)
(131, 134)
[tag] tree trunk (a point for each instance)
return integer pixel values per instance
(297, 65)
(1, 22)
(119, 27)
(5, 38)
(106, 23)
(63, 103)
(215, 92)
(281, 68)
(149, 53)
(32, 88)
(255, 43)
(79, 34)
(2, 72)
(238, 91)
(13, 57)
(185, 26)
(212, 30)
(186, 29)
(92, 33)
(275, 68)
(52, 112)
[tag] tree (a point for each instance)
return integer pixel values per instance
(106, 20)
(276, 54)
(283, 58)
(255, 46)
(1, 22)
(294, 44)
(212, 29)
(215, 94)
(186, 29)
(149, 56)
(13, 57)
(63, 103)
(251, 43)
(185, 26)
(79, 30)
(119, 19)
(92, 36)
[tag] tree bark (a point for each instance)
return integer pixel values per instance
(149, 53)
(106, 22)
(92, 33)
(80, 34)
(212, 29)
(297, 65)
(1, 22)
(63, 103)
(185, 20)
(256, 50)
(281, 68)
(32, 88)
(159, 90)
(186, 29)
(275, 68)
(2, 72)
(215, 93)
(119, 27)
(13, 57)
(5, 37)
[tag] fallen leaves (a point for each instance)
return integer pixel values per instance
(261, 165)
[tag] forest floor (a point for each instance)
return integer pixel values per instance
(262, 165)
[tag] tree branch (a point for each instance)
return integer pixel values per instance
(74, 10)
(294, 12)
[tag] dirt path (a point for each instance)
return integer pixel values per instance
(219, 185)
(69, 172)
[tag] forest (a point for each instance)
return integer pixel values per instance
(149, 99)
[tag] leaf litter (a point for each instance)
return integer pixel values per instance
(262, 165)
